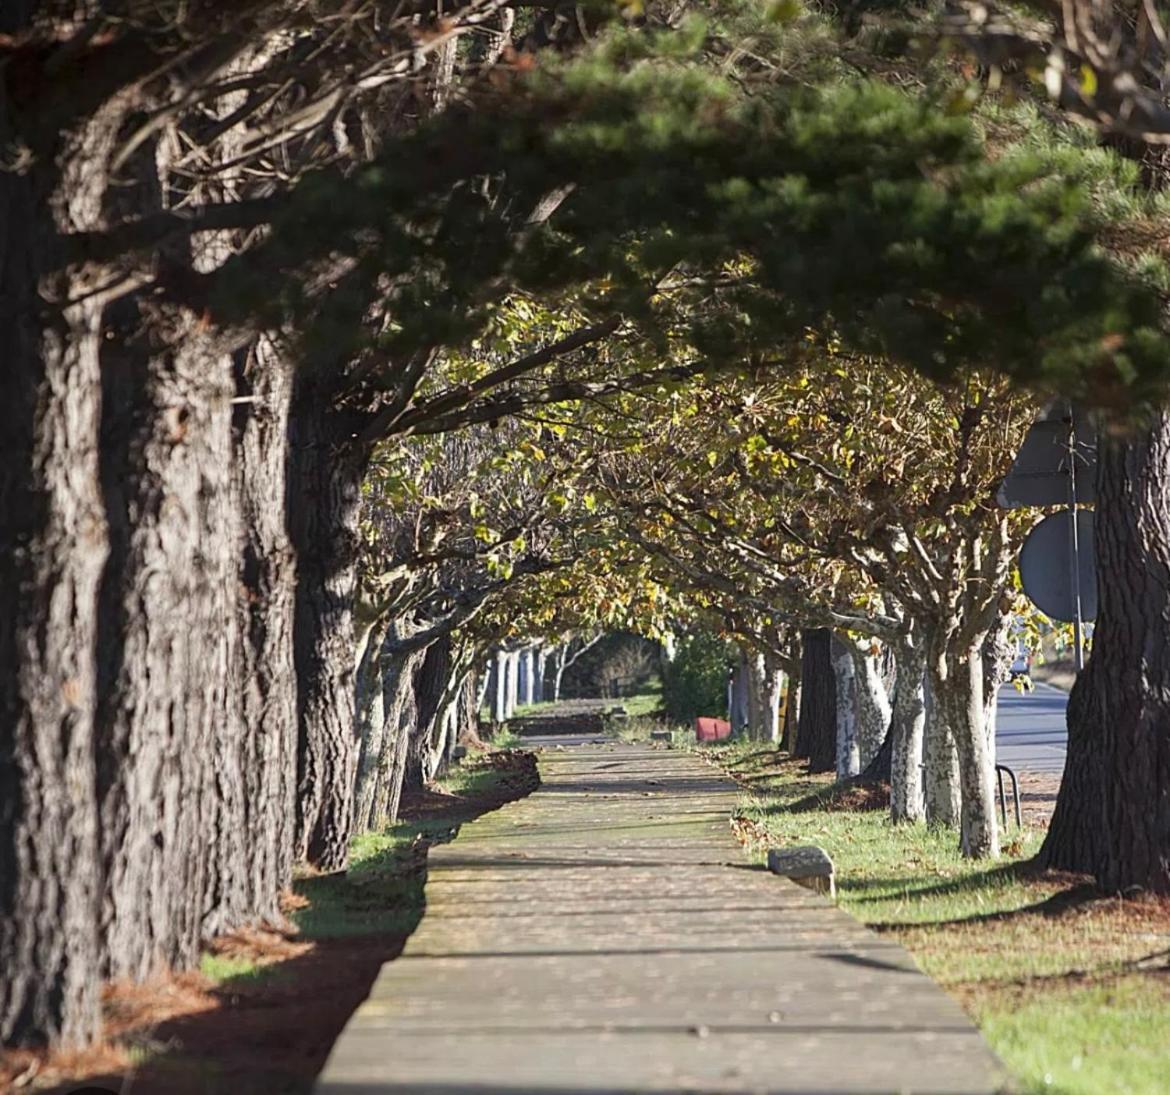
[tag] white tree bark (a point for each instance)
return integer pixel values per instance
(908, 726)
(528, 675)
(941, 760)
(499, 687)
(756, 679)
(848, 756)
(512, 685)
(957, 687)
(773, 694)
(873, 703)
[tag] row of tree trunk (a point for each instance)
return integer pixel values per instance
(852, 722)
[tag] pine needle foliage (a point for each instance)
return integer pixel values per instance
(840, 203)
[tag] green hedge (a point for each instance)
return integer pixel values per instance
(695, 682)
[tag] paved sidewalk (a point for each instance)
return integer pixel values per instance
(606, 934)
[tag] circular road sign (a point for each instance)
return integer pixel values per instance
(1046, 566)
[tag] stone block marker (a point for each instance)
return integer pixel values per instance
(662, 735)
(806, 865)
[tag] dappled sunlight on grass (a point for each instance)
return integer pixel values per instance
(1070, 987)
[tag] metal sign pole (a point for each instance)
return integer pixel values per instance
(1074, 544)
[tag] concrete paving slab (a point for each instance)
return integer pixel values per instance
(606, 935)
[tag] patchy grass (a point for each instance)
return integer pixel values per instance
(261, 1014)
(644, 703)
(1071, 989)
(382, 891)
(227, 971)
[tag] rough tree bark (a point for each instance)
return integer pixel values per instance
(265, 673)
(169, 737)
(53, 547)
(325, 473)
(52, 550)
(816, 733)
(1112, 815)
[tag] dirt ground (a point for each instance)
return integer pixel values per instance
(185, 1034)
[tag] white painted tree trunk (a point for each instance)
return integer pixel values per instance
(908, 726)
(528, 675)
(512, 687)
(848, 757)
(499, 688)
(773, 694)
(873, 704)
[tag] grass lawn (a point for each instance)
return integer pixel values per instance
(1071, 989)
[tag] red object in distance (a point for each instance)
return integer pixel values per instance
(712, 729)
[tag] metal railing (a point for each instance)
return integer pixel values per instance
(1000, 769)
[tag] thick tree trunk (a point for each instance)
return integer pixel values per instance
(816, 734)
(1112, 816)
(324, 499)
(848, 761)
(907, 729)
(169, 737)
(263, 663)
(957, 689)
(52, 549)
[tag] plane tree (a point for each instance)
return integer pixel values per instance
(847, 493)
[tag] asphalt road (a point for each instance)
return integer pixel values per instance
(1030, 733)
